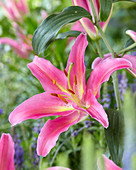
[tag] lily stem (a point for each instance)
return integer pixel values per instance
(99, 48)
(127, 49)
(114, 75)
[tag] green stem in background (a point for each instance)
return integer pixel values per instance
(52, 161)
(40, 164)
(114, 75)
(127, 49)
(99, 48)
(116, 89)
(24, 134)
(105, 40)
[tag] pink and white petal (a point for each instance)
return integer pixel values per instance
(38, 106)
(95, 109)
(45, 72)
(103, 71)
(109, 164)
(58, 168)
(51, 131)
(132, 34)
(77, 58)
(6, 152)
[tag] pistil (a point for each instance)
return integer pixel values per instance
(69, 71)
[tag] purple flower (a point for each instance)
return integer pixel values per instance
(133, 87)
(106, 98)
(122, 79)
(19, 153)
(87, 123)
(1, 111)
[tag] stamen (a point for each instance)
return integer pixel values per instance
(54, 81)
(54, 94)
(69, 71)
(71, 91)
(62, 98)
(75, 79)
(65, 72)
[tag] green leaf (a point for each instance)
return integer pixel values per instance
(123, 0)
(115, 134)
(68, 34)
(47, 31)
(105, 8)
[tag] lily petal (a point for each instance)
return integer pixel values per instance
(77, 58)
(51, 131)
(38, 106)
(15, 45)
(132, 59)
(102, 72)
(46, 73)
(84, 4)
(77, 27)
(96, 110)
(132, 34)
(58, 168)
(6, 152)
(22, 6)
(109, 164)
(96, 62)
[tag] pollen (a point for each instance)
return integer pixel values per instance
(71, 91)
(62, 98)
(75, 79)
(65, 72)
(54, 94)
(54, 81)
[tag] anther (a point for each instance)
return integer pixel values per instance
(54, 81)
(75, 79)
(62, 98)
(65, 72)
(54, 94)
(71, 91)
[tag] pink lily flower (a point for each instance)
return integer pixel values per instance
(91, 30)
(20, 48)
(66, 94)
(132, 34)
(23, 45)
(58, 168)
(6, 152)
(15, 9)
(130, 58)
(109, 164)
